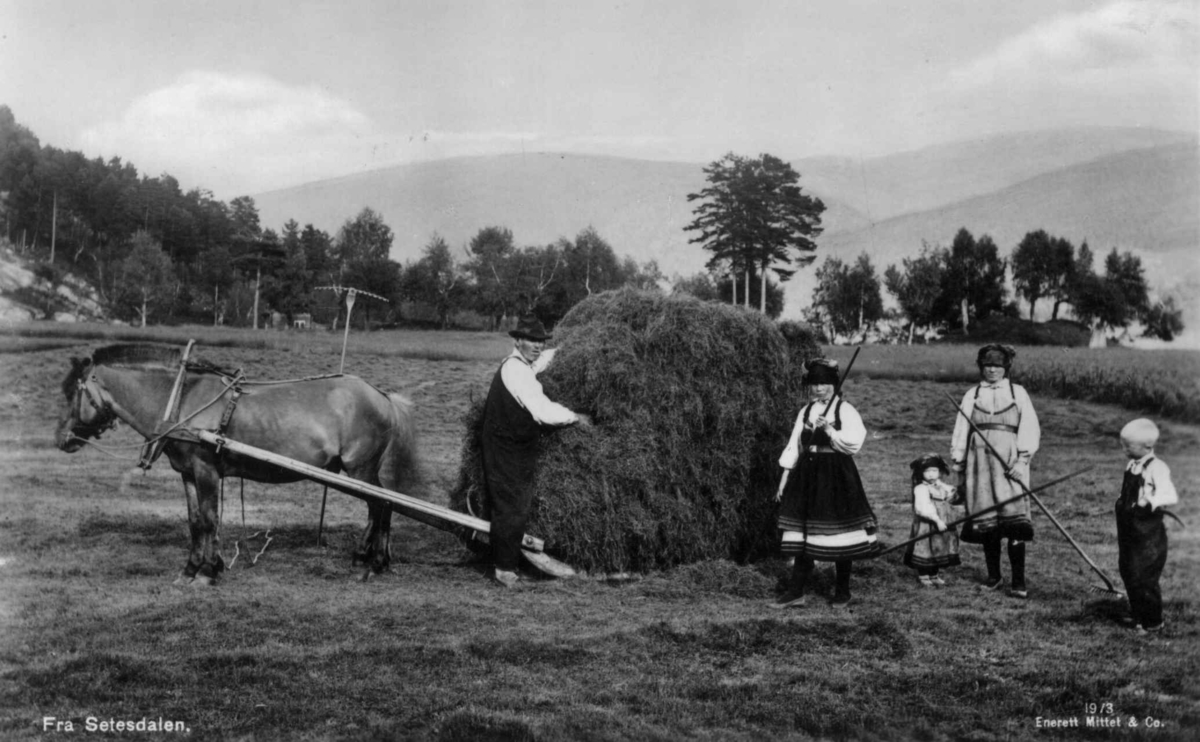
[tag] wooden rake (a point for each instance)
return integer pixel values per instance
(985, 511)
(1109, 587)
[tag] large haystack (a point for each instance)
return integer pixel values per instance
(693, 403)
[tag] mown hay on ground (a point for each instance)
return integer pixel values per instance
(693, 403)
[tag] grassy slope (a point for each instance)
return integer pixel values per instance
(295, 648)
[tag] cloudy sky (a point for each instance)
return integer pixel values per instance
(242, 97)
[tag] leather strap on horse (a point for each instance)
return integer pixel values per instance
(235, 390)
(154, 448)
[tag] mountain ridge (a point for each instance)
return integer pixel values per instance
(1139, 193)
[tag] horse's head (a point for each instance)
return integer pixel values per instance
(86, 411)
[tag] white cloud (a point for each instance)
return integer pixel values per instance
(245, 134)
(234, 134)
(1130, 38)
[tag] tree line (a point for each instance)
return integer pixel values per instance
(956, 287)
(157, 253)
(754, 218)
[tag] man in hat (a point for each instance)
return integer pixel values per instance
(514, 415)
(1002, 412)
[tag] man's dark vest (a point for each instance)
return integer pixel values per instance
(503, 416)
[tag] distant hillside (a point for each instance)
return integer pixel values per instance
(1130, 188)
(640, 207)
(924, 179)
(1146, 201)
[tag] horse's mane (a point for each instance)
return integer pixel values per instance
(78, 367)
(125, 354)
(143, 355)
(137, 354)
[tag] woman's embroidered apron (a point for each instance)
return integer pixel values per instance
(986, 480)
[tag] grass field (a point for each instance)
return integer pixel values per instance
(295, 647)
(1158, 382)
(426, 344)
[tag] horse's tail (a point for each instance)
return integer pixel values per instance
(400, 464)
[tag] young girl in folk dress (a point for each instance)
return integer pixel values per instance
(931, 512)
(824, 514)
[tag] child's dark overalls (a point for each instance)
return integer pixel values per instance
(1142, 544)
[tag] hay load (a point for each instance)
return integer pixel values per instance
(693, 403)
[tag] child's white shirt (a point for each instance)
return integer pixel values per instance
(1157, 488)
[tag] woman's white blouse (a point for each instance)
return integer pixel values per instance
(996, 397)
(848, 440)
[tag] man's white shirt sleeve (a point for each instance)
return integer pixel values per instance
(521, 381)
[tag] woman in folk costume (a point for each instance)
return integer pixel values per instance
(1001, 412)
(931, 513)
(824, 513)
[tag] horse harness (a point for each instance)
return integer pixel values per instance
(233, 384)
(107, 417)
(170, 426)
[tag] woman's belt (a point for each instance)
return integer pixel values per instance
(819, 449)
(996, 426)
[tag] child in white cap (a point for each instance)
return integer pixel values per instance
(1141, 535)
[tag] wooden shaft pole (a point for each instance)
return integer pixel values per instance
(405, 504)
(985, 511)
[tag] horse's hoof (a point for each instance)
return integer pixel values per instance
(366, 575)
(182, 580)
(202, 581)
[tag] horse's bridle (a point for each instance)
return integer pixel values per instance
(106, 416)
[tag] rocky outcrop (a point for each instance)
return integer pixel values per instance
(24, 296)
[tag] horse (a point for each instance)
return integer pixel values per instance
(338, 423)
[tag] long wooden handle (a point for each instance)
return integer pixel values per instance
(985, 511)
(838, 389)
(177, 389)
(411, 506)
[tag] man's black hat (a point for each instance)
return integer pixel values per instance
(530, 328)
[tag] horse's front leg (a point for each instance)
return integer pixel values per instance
(375, 547)
(208, 496)
(193, 563)
(202, 488)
